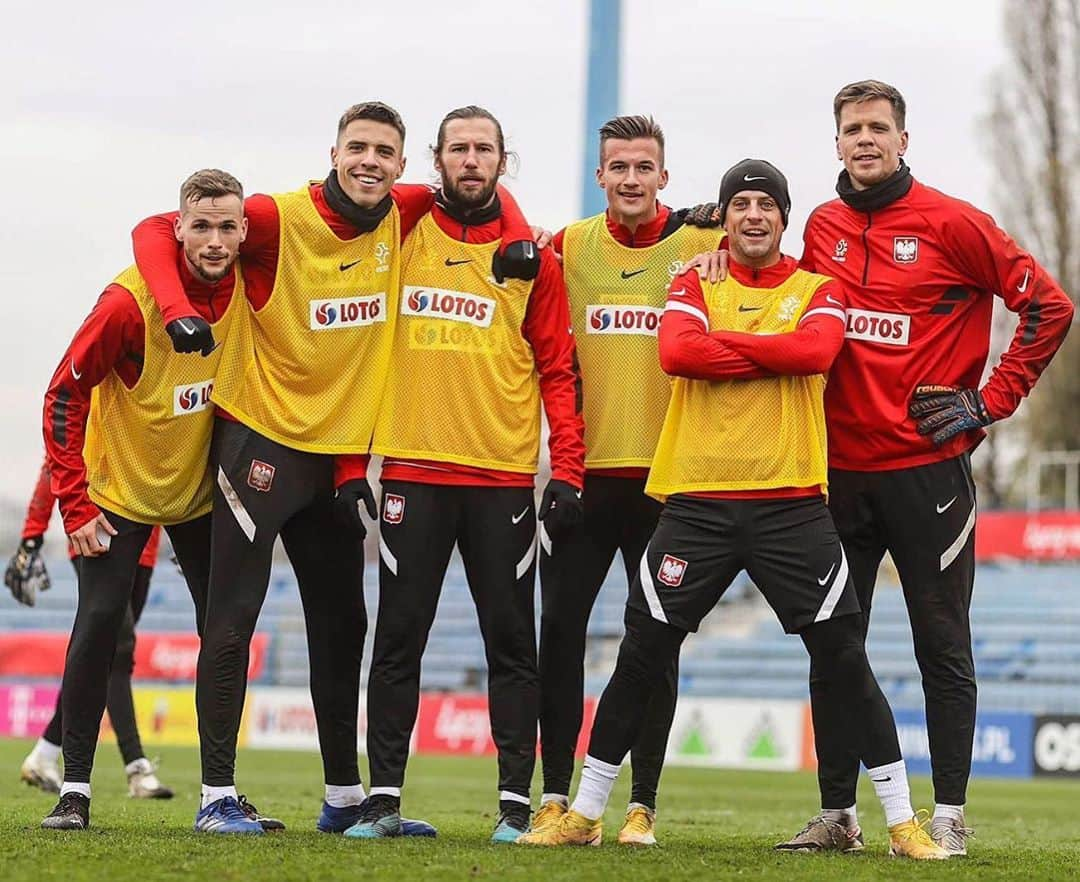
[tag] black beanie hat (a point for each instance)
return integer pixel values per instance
(755, 174)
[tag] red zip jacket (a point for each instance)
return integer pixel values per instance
(39, 513)
(689, 348)
(921, 274)
(113, 338)
(547, 319)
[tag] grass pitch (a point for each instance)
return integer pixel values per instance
(713, 824)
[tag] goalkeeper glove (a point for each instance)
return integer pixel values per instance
(191, 334)
(26, 574)
(945, 411)
(561, 508)
(707, 214)
(519, 260)
(347, 501)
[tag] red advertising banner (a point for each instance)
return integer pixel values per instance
(1044, 535)
(159, 655)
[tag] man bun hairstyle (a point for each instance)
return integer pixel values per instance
(627, 128)
(376, 111)
(209, 183)
(870, 90)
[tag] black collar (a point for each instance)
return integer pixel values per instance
(469, 217)
(364, 219)
(878, 196)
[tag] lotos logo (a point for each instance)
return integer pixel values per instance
(347, 312)
(890, 328)
(622, 319)
(192, 398)
(455, 306)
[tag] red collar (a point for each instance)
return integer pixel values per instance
(645, 235)
(768, 277)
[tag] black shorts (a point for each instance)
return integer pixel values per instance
(789, 547)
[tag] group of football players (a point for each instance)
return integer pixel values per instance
(232, 384)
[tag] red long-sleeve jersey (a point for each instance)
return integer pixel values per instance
(690, 348)
(39, 513)
(547, 317)
(921, 274)
(112, 338)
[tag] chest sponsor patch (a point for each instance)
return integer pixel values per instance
(615, 319)
(455, 306)
(890, 328)
(347, 312)
(192, 398)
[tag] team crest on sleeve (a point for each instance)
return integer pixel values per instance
(261, 476)
(905, 249)
(394, 508)
(672, 570)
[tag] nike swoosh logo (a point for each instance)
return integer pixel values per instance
(74, 372)
(517, 520)
(828, 575)
(830, 299)
(1022, 287)
(680, 293)
(941, 509)
(528, 251)
(881, 780)
(215, 346)
(631, 275)
(450, 262)
(748, 179)
(749, 308)
(346, 266)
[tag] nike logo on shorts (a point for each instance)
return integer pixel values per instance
(517, 519)
(828, 575)
(941, 509)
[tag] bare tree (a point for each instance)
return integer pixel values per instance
(1035, 131)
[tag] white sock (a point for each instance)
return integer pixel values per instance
(508, 796)
(47, 751)
(386, 791)
(838, 814)
(141, 765)
(594, 789)
(213, 794)
(75, 787)
(343, 795)
(891, 786)
(563, 798)
(630, 806)
(954, 812)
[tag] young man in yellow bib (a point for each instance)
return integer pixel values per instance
(127, 433)
(617, 266)
(741, 467)
(459, 431)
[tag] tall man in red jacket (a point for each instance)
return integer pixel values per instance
(904, 407)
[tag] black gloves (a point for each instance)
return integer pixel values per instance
(707, 214)
(26, 574)
(945, 411)
(347, 502)
(521, 261)
(561, 509)
(191, 334)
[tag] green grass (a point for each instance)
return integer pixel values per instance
(713, 824)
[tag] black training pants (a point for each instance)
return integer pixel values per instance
(619, 517)
(263, 489)
(495, 531)
(925, 518)
(105, 596)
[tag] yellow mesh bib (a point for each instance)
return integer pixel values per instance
(146, 448)
(745, 434)
(463, 386)
(308, 369)
(616, 296)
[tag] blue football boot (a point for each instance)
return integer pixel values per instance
(226, 816)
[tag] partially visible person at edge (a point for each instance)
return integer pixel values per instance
(25, 576)
(904, 409)
(741, 468)
(127, 426)
(459, 430)
(617, 266)
(301, 378)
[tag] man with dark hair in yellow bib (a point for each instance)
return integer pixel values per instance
(459, 430)
(127, 433)
(617, 266)
(301, 378)
(741, 467)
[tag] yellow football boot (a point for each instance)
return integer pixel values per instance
(639, 828)
(911, 839)
(548, 816)
(573, 829)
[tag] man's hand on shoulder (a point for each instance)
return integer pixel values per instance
(191, 334)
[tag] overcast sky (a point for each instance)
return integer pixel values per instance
(106, 108)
